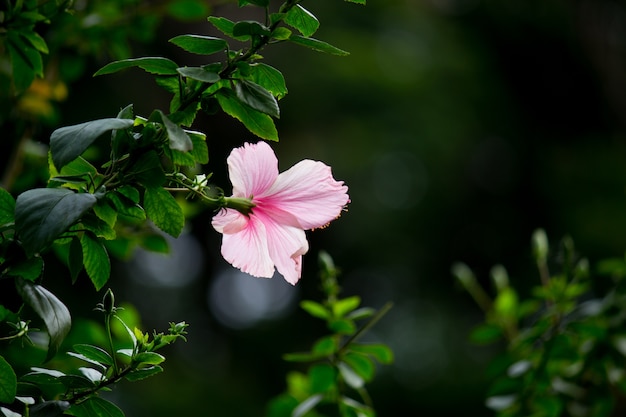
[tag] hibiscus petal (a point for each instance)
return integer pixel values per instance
(248, 249)
(252, 169)
(309, 192)
(229, 221)
(286, 245)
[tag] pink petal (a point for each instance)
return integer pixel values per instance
(229, 221)
(252, 168)
(309, 192)
(248, 249)
(286, 245)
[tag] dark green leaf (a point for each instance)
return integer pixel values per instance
(486, 333)
(164, 211)
(75, 258)
(98, 227)
(7, 207)
(125, 206)
(303, 20)
(42, 214)
(30, 269)
(188, 9)
(256, 122)
(153, 65)
(179, 140)
(202, 45)
(356, 1)
(93, 354)
(256, 97)
(155, 243)
(49, 409)
(226, 27)
(35, 40)
(95, 407)
(199, 73)
(269, 78)
(147, 170)
(250, 27)
(262, 3)
(8, 382)
(95, 260)
(68, 143)
(200, 149)
(76, 382)
(361, 364)
(143, 373)
(317, 45)
(303, 357)
(52, 311)
(26, 61)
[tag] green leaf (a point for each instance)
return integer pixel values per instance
(325, 346)
(126, 206)
(143, 373)
(164, 211)
(317, 45)
(96, 260)
(256, 122)
(26, 61)
(356, 1)
(153, 65)
(30, 269)
(315, 309)
(68, 143)
(155, 243)
(7, 207)
(323, 377)
(201, 45)
(98, 227)
(149, 358)
(200, 149)
(226, 27)
(147, 170)
(95, 407)
(345, 306)
(382, 353)
(49, 409)
(199, 74)
(75, 258)
(188, 9)
(269, 78)
(303, 357)
(342, 326)
(8, 382)
(42, 214)
(53, 312)
(35, 40)
(256, 97)
(361, 364)
(250, 27)
(92, 354)
(486, 333)
(303, 20)
(350, 376)
(262, 3)
(179, 140)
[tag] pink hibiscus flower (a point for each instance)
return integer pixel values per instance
(271, 235)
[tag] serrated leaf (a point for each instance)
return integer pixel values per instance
(315, 309)
(200, 149)
(317, 45)
(256, 97)
(7, 207)
(53, 312)
(199, 74)
(345, 306)
(201, 45)
(164, 211)
(69, 142)
(42, 214)
(256, 122)
(95, 260)
(8, 382)
(303, 20)
(281, 33)
(153, 65)
(269, 78)
(94, 407)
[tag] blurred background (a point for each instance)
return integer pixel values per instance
(459, 126)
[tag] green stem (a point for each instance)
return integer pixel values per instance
(107, 325)
(379, 315)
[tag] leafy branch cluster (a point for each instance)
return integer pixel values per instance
(565, 345)
(340, 365)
